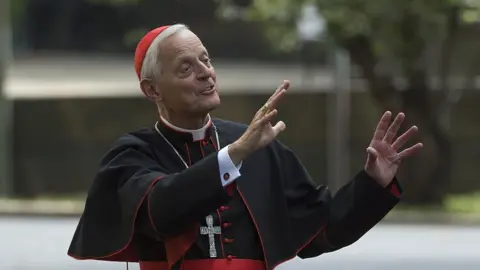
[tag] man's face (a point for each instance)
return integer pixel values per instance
(187, 82)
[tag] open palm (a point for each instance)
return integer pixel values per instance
(383, 156)
(261, 132)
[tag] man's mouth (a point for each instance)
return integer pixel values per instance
(208, 90)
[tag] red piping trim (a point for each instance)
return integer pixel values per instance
(149, 212)
(201, 148)
(221, 233)
(209, 124)
(261, 240)
(188, 154)
(125, 254)
(256, 226)
(213, 143)
(302, 247)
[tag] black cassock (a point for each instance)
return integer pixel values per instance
(145, 206)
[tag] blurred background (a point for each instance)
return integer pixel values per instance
(69, 90)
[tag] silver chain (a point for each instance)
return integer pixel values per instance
(175, 149)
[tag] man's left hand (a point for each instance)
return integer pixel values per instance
(383, 155)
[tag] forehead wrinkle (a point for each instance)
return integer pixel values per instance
(181, 46)
(185, 51)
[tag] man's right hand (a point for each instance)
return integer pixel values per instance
(260, 132)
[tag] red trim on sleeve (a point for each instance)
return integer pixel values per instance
(230, 188)
(321, 231)
(127, 252)
(149, 211)
(176, 246)
(394, 190)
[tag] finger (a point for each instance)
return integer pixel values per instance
(410, 151)
(280, 87)
(403, 139)
(273, 104)
(394, 127)
(270, 106)
(268, 117)
(279, 127)
(382, 126)
(273, 101)
(285, 85)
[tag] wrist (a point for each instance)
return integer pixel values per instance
(237, 152)
(382, 181)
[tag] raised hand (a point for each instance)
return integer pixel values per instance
(383, 153)
(260, 131)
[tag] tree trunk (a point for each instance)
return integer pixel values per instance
(426, 177)
(435, 178)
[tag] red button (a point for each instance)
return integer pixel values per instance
(227, 240)
(204, 143)
(226, 225)
(226, 176)
(224, 208)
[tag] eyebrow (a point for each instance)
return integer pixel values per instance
(205, 52)
(184, 57)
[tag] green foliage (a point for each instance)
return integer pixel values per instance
(471, 12)
(390, 25)
(453, 203)
(116, 2)
(279, 18)
(468, 203)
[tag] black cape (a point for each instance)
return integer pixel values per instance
(293, 216)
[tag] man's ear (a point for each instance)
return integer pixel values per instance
(150, 91)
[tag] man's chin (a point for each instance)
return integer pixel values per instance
(211, 107)
(206, 107)
(213, 101)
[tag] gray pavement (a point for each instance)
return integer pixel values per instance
(36, 243)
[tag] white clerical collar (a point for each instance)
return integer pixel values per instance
(197, 134)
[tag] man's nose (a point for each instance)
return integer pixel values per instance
(204, 72)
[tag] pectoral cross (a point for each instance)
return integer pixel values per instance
(210, 230)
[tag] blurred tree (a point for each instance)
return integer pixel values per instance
(387, 40)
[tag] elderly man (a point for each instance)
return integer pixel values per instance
(197, 193)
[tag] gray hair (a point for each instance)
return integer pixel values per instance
(151, 63)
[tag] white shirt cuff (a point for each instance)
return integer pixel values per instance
(228, 171)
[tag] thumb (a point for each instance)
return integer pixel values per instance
(279, 127)
(373, 152)
(372, 156)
